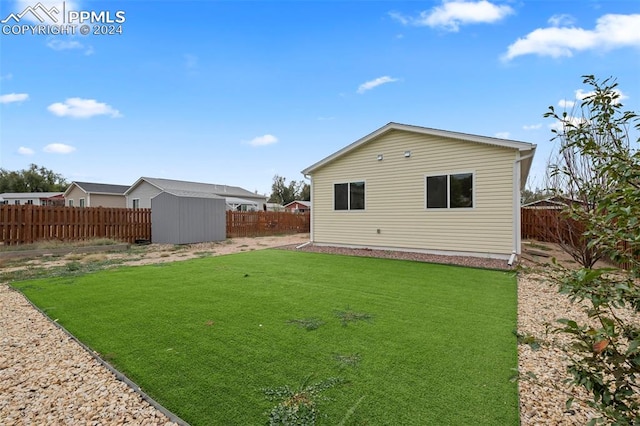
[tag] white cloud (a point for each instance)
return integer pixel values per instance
(532, 126)
(82, 108)
(611, 32)
(454, 13)
(46, 14)
(559, 125)
(59, 148)
(59, 45)
(263, 140)
(564, 103)
(13, 97)
(562, 20)
(503, 135)
(6, 76)
(25, 151)
(375, 83)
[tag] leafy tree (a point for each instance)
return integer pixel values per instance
(283, 193)
(305, 192)
(605, 350)
(33, 179)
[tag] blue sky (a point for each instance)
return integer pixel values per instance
(234, 92)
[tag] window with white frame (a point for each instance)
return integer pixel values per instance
(70, 203)
(136, 203)
(449, 191)
(348, 196)
(82, 203)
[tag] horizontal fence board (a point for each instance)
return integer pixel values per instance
(26, 224)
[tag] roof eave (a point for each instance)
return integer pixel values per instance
(520, 146)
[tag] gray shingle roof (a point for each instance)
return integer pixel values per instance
(171, 185)
(102, 188)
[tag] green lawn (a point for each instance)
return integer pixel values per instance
(205, 337)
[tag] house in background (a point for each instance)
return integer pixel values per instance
(139, 195)
(298, 206)
(460, 193)
(274, 207)
(33, 198)
(89, 194)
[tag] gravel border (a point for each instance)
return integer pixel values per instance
(48, 378)
(470, 261)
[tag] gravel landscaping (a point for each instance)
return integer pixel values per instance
(47, 378)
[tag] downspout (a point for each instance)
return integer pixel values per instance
(517, 232)
(311, 215)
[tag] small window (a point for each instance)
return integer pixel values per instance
(136, 203)
(81, 202)
(349, 196)
(16, 202)
(70, 203)
(30, 202)
(450, 191)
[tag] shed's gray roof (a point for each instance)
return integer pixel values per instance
(193, 194)
(170, 185)
(101, 188)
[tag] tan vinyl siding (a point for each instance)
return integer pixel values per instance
(105, 200)
(145, 192)
(395, 196)
(75, 194)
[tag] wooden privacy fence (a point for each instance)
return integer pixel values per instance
(547, 225)
(26, 224)
(256, 224)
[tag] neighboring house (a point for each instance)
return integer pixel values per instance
(550, 203)
(460, 193)
(34, 198)
(139, 195)
(274, 207)
(89, 194)
(298, 206)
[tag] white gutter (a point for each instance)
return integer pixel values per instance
(517, 231)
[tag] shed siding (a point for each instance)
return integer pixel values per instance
(395, 196)
(144, 192)
(186, 220)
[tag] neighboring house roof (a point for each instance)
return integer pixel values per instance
(304, 203)
(554, 202)
(40, 195)
(524, 147)
(99, 188)
(170, 185)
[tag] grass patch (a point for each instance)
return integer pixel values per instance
(307, 323)
(206, 337)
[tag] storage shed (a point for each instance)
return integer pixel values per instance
(184, 218)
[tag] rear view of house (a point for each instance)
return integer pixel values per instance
(413, 188)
